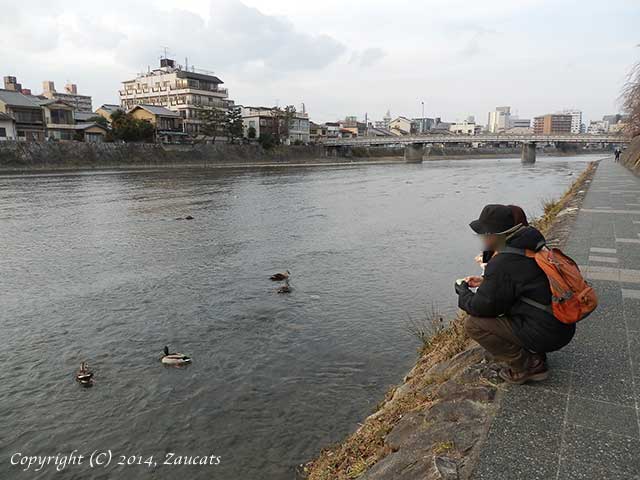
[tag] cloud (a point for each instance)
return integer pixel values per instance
(367, 57)
(234, 35)
(474, 46)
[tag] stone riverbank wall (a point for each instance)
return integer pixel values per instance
(71, 155)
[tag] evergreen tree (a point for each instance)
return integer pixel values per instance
(214, 123)
(233, 124)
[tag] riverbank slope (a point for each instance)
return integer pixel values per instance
(433, 425)
(631, 156)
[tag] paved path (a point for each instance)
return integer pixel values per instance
(583, 422)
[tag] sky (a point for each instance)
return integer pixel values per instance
(363, 57)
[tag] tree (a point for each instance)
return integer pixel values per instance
(288, 114)
(129, 129)
(233, 124)
(267, 141)
(631, 100)
(100, 120)
(214, 123)
(282, 121)
(251, 133)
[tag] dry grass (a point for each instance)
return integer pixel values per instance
(424, 327)
(551, 208)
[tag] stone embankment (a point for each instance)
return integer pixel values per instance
(433, 425)
(75, 155)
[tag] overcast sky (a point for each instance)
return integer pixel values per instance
(459, 57)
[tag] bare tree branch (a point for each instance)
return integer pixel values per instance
(631, 100)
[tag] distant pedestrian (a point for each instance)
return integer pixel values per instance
(617, 154)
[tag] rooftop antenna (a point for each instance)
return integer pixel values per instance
(186, 64)
(165, 50)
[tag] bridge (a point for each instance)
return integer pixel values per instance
(415, 145)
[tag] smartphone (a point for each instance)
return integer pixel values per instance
(487, 255)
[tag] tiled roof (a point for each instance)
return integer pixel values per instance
(156, 110)
(17, 99)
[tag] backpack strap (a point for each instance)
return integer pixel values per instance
(529, 254)
(541, 306)
(524, 252)
(518, 251)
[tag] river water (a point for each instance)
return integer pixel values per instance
(94, 266)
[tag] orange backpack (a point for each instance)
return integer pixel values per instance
(572, 298)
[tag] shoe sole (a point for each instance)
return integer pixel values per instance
(536, 377)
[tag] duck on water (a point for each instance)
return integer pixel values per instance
(176, 359)
(84, 376)
(278, 277)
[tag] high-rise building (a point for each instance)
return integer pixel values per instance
(499, 120)
(184, 90)
(576, 120)
(552, 124)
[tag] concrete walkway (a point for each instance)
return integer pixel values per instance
(583, 422)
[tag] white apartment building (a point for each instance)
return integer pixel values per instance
(386, 120)
(464, 128)
(516, 122)
(598, 127)
(499, 120)
(576, 120)
(186, 91)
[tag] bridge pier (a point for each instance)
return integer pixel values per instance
(414, 153)
(528, 152)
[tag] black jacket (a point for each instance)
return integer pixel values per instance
(507, 278)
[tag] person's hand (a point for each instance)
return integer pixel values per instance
(460, 287)
(479, 259)
(474, 281)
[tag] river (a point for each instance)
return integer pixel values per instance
(96, 267)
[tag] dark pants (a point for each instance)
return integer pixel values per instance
(497, 337)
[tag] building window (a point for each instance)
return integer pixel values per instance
(3, 132)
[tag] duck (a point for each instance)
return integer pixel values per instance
(286, 288)
(84, 375)
(174, 358)
(278, 277)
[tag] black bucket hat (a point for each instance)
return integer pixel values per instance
(494, 219)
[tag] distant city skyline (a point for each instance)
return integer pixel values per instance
(460, 59)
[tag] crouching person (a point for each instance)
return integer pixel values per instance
(512, 330)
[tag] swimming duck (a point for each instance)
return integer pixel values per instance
(286, 288)
(84, 375)
(174, 358)
(278, 277)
